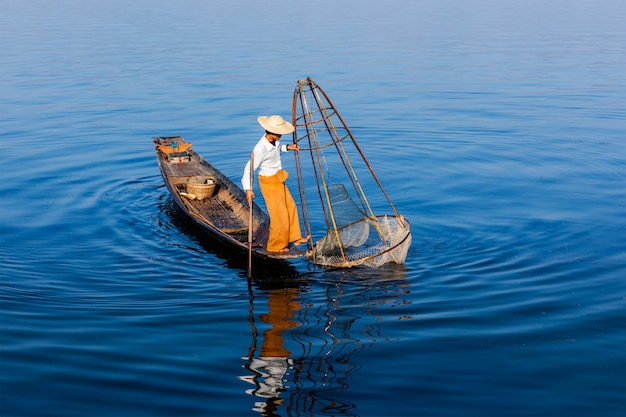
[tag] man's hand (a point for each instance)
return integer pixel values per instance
(249, 196)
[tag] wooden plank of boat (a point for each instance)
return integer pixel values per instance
(224, 210)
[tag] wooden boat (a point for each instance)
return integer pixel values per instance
(219, 206)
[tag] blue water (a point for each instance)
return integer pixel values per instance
(498, 129)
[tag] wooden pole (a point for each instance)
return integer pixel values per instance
(250, 216)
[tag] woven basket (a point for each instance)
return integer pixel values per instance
(198, 185)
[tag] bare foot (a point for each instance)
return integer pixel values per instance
(301, 241)
(282, 251)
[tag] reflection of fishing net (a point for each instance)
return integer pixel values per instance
(355, 235)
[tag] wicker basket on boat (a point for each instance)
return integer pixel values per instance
(203, 186)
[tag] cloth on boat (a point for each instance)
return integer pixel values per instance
(284, 224)
(178, 147)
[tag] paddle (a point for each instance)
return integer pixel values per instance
(250, 216)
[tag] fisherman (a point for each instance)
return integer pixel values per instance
(284, 224)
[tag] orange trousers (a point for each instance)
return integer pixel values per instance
(284, 224)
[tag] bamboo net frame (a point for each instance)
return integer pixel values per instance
(356, 235)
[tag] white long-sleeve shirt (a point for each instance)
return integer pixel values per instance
(266, 160)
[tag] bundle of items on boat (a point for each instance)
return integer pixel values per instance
(359, 224)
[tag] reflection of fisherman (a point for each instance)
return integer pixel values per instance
(271, 372)
(271, 366)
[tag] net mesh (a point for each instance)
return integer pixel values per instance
(357, 239)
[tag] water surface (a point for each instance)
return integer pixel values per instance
(497, 129)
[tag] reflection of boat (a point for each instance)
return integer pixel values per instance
(212, 200)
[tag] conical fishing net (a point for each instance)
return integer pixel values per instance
(345, 184)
